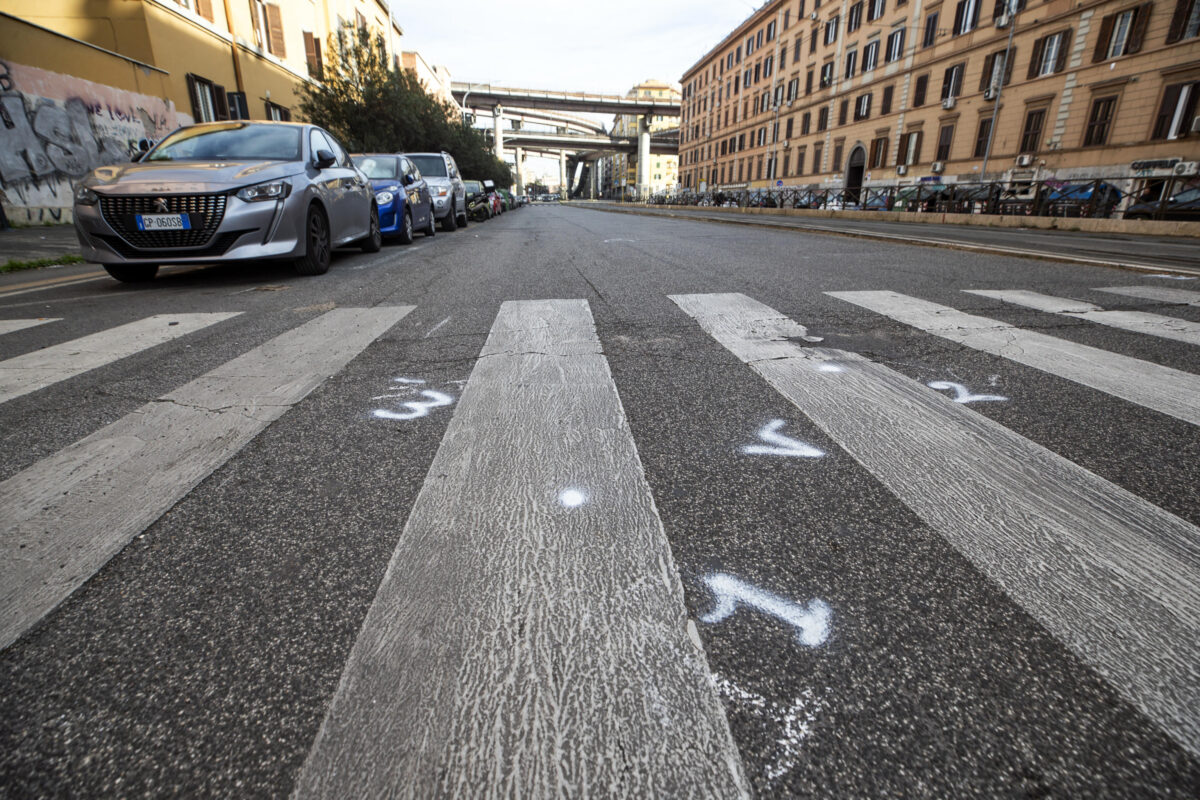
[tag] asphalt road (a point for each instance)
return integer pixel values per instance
(710, 530)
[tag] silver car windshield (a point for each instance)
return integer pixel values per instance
(378, 167)
(231, 142)
(430, 166)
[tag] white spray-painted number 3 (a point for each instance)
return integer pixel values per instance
(963, 395)
(780, 445)
(810, 621)
(417, 408)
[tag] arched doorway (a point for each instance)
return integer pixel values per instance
(856, 164)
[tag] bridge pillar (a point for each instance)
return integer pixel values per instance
(643, 162)
(498, 129)
(520, 156)
(562, 175)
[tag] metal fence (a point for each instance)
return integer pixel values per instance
(1142, 197)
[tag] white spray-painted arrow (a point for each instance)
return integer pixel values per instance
(811, 621)
(416, 409)
(963, 395)
(780, 445)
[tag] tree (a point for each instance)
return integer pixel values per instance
(537, 187)
(375, 108)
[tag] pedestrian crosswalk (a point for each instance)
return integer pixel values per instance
(536, 530)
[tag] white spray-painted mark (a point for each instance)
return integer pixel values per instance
(606, 241)
(780, 445)
(1173, 277)
(811, 621)
(794, 721)
(829, 366)
(407, 380)
(963, 395)
(435, 327)
(415, 407)
(993, 380)
(572, 498)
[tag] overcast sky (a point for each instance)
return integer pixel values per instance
(596, 46)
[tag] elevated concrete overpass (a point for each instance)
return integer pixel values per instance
(484, 95)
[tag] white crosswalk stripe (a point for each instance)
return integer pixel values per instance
(1137, 321)
(1114, 577)
(14, 325)
(550, 555)
(64, 517)
(42, 368)
(1164, 294)
(1153, 386)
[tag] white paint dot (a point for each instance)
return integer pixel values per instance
(827, 367)
(572, 498)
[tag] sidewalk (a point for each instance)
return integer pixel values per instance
(43, 241)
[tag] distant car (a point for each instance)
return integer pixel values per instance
(401, 195)
(227, 191)
(1077, 199)
(479, 204)
(446, 187)
(1181, 206)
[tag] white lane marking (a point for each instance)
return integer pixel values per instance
(64, 517)
(1163, 294)
(1179, 330)
(607, 241)
(1173, 277)
(41, 368)
(435, 328)
(518, 645)
(780, 445)
(1153, 386)
(963, 395)
(14, 325)
(811, 620)
(794, 722)
(416, 408)
(1114, 577)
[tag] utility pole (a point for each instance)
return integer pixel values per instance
(1011, 10)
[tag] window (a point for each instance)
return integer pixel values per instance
(1175, 114)
(879, 147)
(278, 113)
(895, 46)
(823, 118)
(945, 139)
(800, 154)
(812, 39)
(312, 54)
(910, 148)
(787, 157)
(782, 55)
(854, 17)
(749, 46)
(808, 82)
(806, 123)
(851, 63)
(1031, 134)
(931, 23)
(1099, 121)
(952, 80)
(870, 55)
(996, 71)
(762, 136)
(875, 9)
(817, 148)
(771, 31)
(1049, 54)
(843, 111)
(1122, 33)
(966, 16)
(758, 40)
(787, 20)
(885, 104)
(768, 66)
(920, 91)
(796, 48)
(1002, 7)
(862, 107)
(788, 130)
(209, 101)
(981, 138)
(838, 147)
(831, 30)
(826, 74)
(1185, 22)
(793, 89)
(268, 27)
(757, 72)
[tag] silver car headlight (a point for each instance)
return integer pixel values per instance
(383, 198)
(440, 191)
(85, 196)
(272, 190)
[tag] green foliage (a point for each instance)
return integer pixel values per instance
(12, 265)
(374, 108)
(537, 187)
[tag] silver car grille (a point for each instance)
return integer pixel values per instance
(204, 211)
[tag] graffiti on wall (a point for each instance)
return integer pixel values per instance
(54, 128)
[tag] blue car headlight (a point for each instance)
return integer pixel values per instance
(271, 190)
(384, 198)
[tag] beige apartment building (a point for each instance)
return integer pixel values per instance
(663, 174)
(880, 92)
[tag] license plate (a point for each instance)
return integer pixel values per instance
(163, 222)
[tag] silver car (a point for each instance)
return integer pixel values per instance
(227, 191)
(446, 187)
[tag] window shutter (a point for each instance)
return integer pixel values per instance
(191, 84)
(885, 105)
(1106, 29)
(1063, 48)
(919, 93)
(256, 22)
(1039, 47)
(1137, 33)
(917, 149)
(312, 54)
(1008, 65)
(220, 103)
(959, 10)
(275, 23)
(204, 9)
(1178, 20)
(985, 79)
(1166, 111)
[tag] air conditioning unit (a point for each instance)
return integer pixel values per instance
(948, 103)
(901, 169)
(786, 143)
(1002, 20)
(813, 15)
(1025, 160)
(937, 166)
(1187, 168)
(989, 94)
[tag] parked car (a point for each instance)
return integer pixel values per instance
(479, 205)
(227, 191)
(401, 195)
(1095, 198)
(446, 187)
(1183, 206)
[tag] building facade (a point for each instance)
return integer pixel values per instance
(880, 92)
(663, 174)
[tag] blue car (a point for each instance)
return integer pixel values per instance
(401, 193)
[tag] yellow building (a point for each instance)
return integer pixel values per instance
(878, 92)
(663, 174)
(85, 80)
